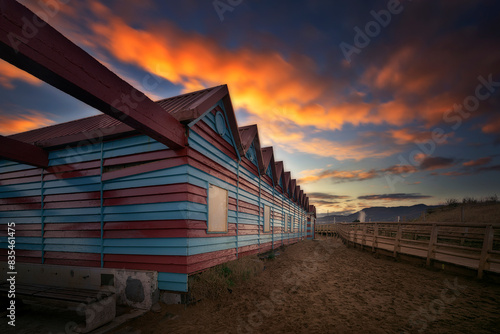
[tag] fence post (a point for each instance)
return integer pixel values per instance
(363, 236)
(432, 244)
(375, 235)
(485, 251)
(397, 240)
(465, 234)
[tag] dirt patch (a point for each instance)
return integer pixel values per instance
(324, 287)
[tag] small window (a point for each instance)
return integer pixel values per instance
(285, 223)
(217, 209)
(267, 218)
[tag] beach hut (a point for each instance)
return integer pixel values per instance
(143, 195)
(113, 197)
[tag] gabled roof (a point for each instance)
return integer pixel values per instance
(279, 173)
(268, 159)
(286, 182)
(312, 210)
(183, 108)
(247, 135)
(250, 134)
(190, 106)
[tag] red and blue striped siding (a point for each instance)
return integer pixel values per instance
(147, 211)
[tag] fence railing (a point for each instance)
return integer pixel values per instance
(472, 245)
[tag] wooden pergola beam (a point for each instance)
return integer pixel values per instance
(31, 44)
(24, 153)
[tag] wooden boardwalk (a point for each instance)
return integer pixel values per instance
(472, 245)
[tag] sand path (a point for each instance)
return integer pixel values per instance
(324, 287)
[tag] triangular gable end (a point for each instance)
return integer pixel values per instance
(269, 164)
(214, 106)
(287, 179)
(279, 175)
(250, 144)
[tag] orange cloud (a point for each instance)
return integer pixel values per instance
(20, 122)
(493, 126)
(478, 162)
(293, 138)
(336, 175)
(310, 176)
(10, 73)
(262, 82)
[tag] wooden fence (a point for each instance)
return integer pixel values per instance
(472, 245)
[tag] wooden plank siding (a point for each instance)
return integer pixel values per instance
(133, 203)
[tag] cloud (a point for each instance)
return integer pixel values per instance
(493, 126)
(320, 195)
(293, 138)
(478, 162)
(400, 169)
(432, 163)
(274, 87)
(22, 121)
(394, 197)
(9, 74)
(494, 168)
(338, 176)
(411, 136)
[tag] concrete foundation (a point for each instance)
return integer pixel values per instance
(134, 288)
(170, 298)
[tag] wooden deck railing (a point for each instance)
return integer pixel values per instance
(472, 245)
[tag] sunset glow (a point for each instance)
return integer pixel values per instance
(414, 114)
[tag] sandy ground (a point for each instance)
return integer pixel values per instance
(324, 287)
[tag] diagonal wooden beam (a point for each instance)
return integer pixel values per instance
(31, 44)
(21, 152)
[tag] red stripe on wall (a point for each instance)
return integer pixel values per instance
(206, 132)
(72, 197)
(76, 173)
(20, 180)
(147, 156)
(72, 226)
(175, 264)
(21, 174)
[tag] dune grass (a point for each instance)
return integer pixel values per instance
(484, 210)
(217, 281)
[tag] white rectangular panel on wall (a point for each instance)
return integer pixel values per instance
(217, 209)
(267, 218)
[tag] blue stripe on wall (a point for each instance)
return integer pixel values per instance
(173, 282)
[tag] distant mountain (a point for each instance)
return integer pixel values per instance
(381, 214)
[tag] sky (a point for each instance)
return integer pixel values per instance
(368, 103)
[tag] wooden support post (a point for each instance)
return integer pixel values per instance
(375, 235)
(355, 238)
(485, 251)
(432, 244)
(465, 234)
(363, 235)
(397, 240)
(24, 153)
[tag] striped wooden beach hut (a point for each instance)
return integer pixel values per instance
(158, 190)
(113, 197)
